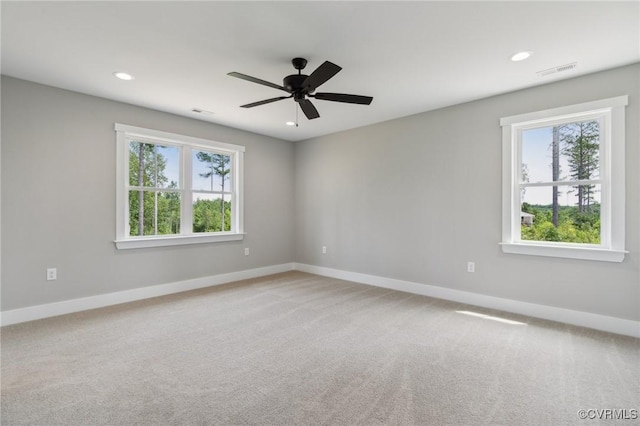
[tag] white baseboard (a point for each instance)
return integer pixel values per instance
(584, 319)
(85, 303)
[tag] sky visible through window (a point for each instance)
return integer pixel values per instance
(172, 171)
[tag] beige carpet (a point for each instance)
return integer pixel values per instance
(298, 349)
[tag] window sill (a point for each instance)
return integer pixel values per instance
(571, 252)
(175, 240)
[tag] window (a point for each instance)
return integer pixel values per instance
(174, 189)
(563, 181)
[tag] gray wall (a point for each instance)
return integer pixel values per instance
(412, 199)
(416, 198)
(58, 195)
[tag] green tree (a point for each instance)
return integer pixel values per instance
(582, 147)
(171, 215)
(207, 215)
(217, 165)
(547, 232)
(151, 212)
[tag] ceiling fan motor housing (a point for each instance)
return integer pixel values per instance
(293, 83)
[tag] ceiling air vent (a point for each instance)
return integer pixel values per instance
(201, 111)
(559, 68)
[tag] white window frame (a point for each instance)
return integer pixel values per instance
(124, 135)
(611, 114)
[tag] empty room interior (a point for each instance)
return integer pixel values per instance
(320, 213)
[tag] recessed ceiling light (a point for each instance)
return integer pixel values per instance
(521, 56)
(124, 76)
(290, 123)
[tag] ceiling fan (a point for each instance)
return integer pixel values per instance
(301, 87)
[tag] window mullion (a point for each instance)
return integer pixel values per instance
(186, 217)
(516, 204)
(605, 176)
(232, 199)
(562, 183)
(122, 181)
(238, 192)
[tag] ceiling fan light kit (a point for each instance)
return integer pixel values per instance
(301, 87)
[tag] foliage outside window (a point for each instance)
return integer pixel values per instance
(563, 181)
(175, 189)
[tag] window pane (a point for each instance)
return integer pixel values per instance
(211, 172)
(160, 213)
(160, 165)
(575, 217)
(210, 214)
(561, 153)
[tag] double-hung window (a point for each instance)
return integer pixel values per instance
(564, 181)
(174, 189)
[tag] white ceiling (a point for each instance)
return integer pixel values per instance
(410, 56)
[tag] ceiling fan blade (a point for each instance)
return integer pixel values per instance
(266, 101)
(309, 110)
(343, 97)
(256, 80)
(323, 73)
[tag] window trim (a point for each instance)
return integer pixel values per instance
(124, 133)
(612, 176)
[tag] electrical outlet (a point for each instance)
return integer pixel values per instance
(246, 251)
(52, 274)
(324, 249)
(471, 266)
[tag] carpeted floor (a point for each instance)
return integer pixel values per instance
(299, 349)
